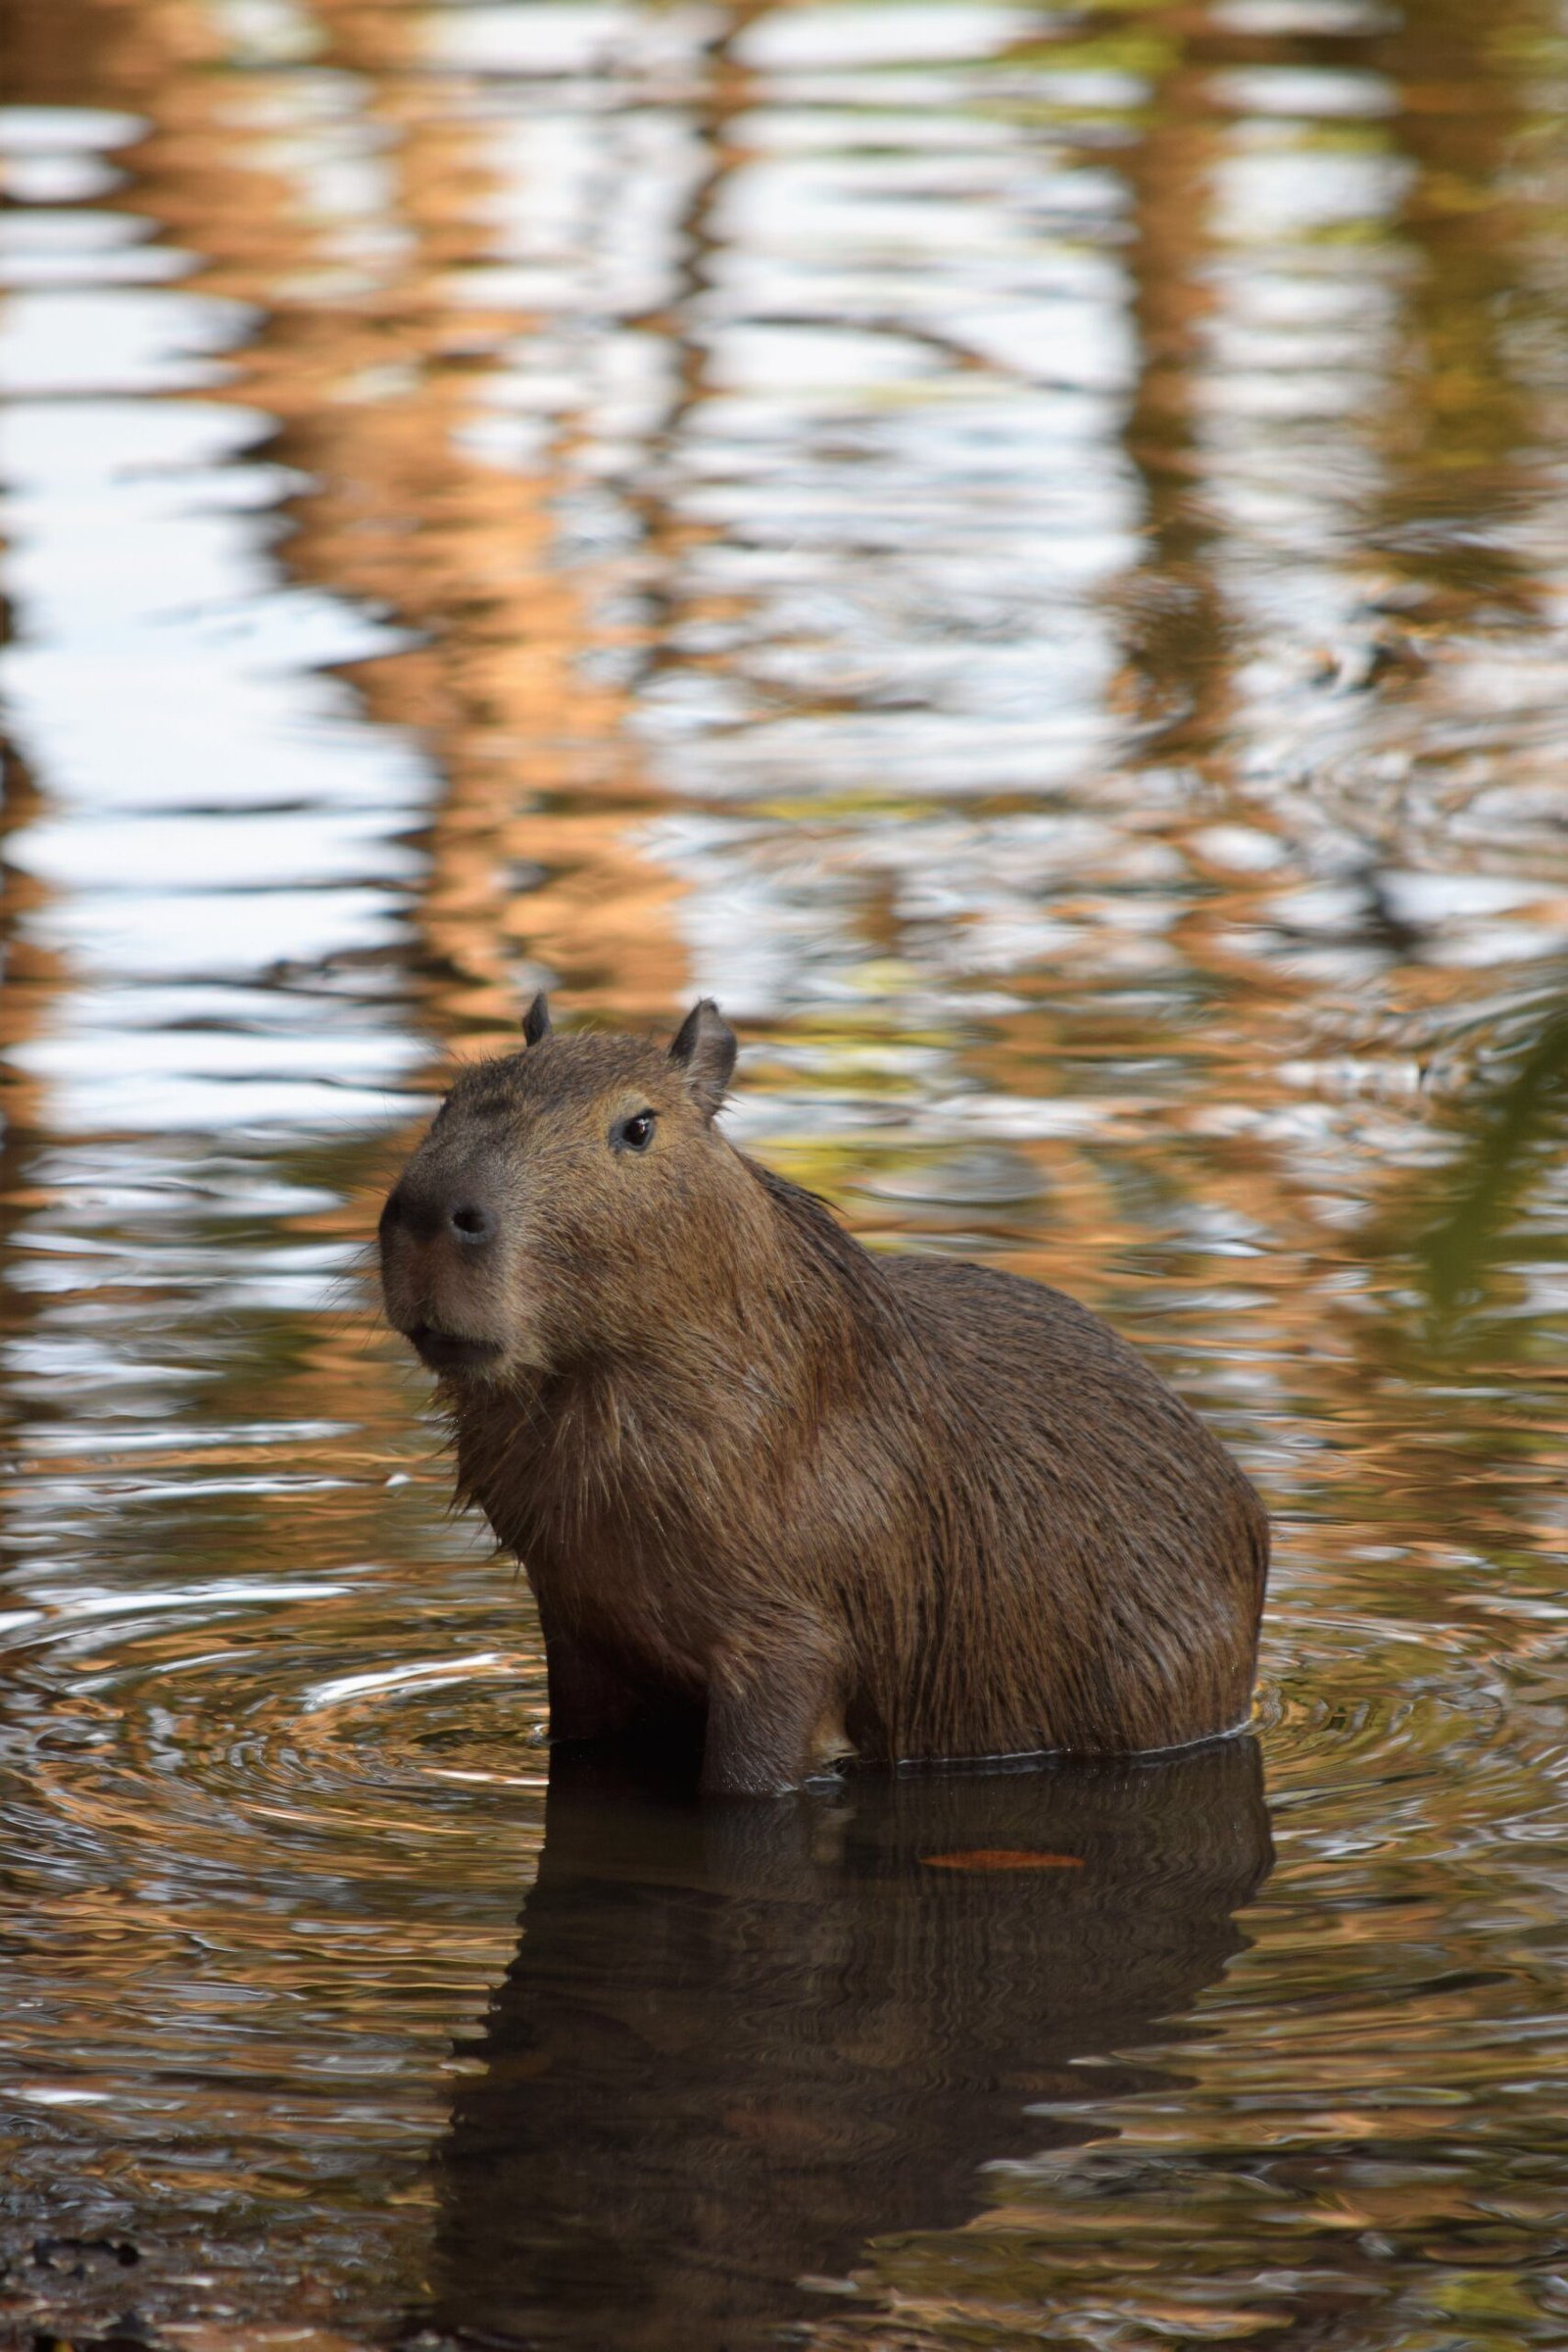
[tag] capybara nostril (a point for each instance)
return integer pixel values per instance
(471, 1225)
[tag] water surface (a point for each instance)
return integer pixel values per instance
(1023, 548)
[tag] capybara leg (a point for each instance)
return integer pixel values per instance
(588, 1700)
(765, 1724)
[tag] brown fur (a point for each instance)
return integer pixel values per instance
(814, 1501)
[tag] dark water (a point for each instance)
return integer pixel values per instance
(1023, 548)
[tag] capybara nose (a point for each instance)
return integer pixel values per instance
(424, 1214)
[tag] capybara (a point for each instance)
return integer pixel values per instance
(810, 1502)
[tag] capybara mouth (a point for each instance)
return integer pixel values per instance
(443, 1351)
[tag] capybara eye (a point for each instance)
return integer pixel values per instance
(634, 1134)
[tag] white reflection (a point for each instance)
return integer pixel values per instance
(425, 1672)
(215, 806)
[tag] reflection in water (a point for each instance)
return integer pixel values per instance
(1515, 1122)
(738, 2041)
(1022, 547)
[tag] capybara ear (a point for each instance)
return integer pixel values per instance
(536, 1020)
(705, 1048)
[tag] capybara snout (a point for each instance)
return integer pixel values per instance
(438, 1233)
(814, 1501)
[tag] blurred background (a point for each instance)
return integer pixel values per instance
(1023, 548)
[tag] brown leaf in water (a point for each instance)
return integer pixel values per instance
(1002, 1858)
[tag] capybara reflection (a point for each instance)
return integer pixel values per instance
(740, 2042)
(812, 1502)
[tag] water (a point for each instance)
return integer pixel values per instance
(1023, 550)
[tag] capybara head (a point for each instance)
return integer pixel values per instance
(566, 1202)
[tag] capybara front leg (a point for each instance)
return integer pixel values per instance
(771, 1723)
(588, 1700)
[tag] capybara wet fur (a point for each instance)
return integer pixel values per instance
(803, 1502)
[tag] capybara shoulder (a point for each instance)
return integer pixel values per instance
(795, 1499)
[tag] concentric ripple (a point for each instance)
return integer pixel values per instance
(244, 1713)
(265, 1837)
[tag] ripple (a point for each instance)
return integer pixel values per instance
(251, 1749)
(1384, 1728)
